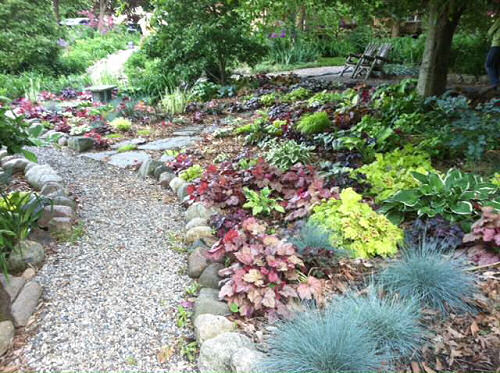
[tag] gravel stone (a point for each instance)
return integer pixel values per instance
(110, 298)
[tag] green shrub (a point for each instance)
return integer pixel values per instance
(456, 197)
(287, 154)
(192, 173)
(13, 132)
(355, 227)
(204, 90)
(260, 130)
(121, 124)
(324, 97)
(311, 124)
(426, 276)
(262, 203)
(297, 95)
(146, 76)
(284, 51)
(392, 172)
(29, 35)
(269, 99)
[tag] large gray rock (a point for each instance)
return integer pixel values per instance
(26, 302)
(208, 302)
(148, 168)
(210, 277)
(52, 189)
(170, 143)
(12, 286)
(199, 210)
(6, 336)
(166, 178)
(50, 212)
(189, 130)
(61, 225)
(162, 168)
(38, 175)
(15, 165)
(196, 222)
(246, 360)
(197, 262)
(176, 183)
(208, 326)
(216, 353)
(81, 143)
(198, 233)
(128, 159)
(182, 192)
(64, 201)
(27, 253)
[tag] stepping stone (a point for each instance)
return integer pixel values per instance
(128, 159)
(189, 131)
(100, 156)
(170, 143)
(137, 141)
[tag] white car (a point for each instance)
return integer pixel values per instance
(75, 21)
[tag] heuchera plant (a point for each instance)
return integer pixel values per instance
(264, 275)
(486, 230)
(354, 226)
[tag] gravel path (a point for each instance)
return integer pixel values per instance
(110, 298)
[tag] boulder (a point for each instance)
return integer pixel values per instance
(245, 360)
(27, 253)
(26, 302)
(61, 225)
(52, 189)
(196, 222)
(64, 201)
(15, 165)
(38, 175)
(6, 336)
(176, 183)
(198, 233)
(197, 262)
(81, 143)
(56, 211)
(208, 302)
(199, 210)
(160, 170)
(165, 179)
(12, 286)
(210, 277)
(216, 353)
(208, 326)
(182, 192)
(148, 167)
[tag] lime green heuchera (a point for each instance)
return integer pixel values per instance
(392, 172)
(354, 226)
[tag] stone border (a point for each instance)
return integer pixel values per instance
(222, 348)
(23, 291)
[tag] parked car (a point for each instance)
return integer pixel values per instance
(74, 21)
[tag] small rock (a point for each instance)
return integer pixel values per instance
(52, 188)
(182, 192)
(12, 286)
(216, 353)
(197, 262)
(15, 165)
(166, 178)
(176, 183)
(81, 143)
(63, 141)
(196, 222)
(148, 167)
(210, 304)
(197, 233)
(210, 277)
(38, 175)
(61, 225)
(208, 326)
(25, 254)
(199, 210)
(28, 274)
(160, 170)
(245, 360)
(26, 302)
(64, 201)
(50, 212)
(6, 336)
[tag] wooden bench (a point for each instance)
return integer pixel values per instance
(101, 93)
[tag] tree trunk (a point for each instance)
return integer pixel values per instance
(55, 4)
(395, 28)
(442, 23)
(102, 11)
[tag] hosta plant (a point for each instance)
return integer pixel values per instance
(392, 172)
(262, 202)
(355, 227)
(486, 230)
(456, 196)
(312, 124)
(285, 155)
(191, 173)
(264, 275)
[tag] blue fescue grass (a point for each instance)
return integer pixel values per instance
(313, 237)
(318, 342)
(434, 280)
(393, 323)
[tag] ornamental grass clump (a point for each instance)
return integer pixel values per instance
(121, 124)
(355, 227)
(393, 323)
(312, 124)
(317, 342)
(434, 280)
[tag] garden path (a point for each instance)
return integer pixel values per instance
(110, 67)
(110, 297)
